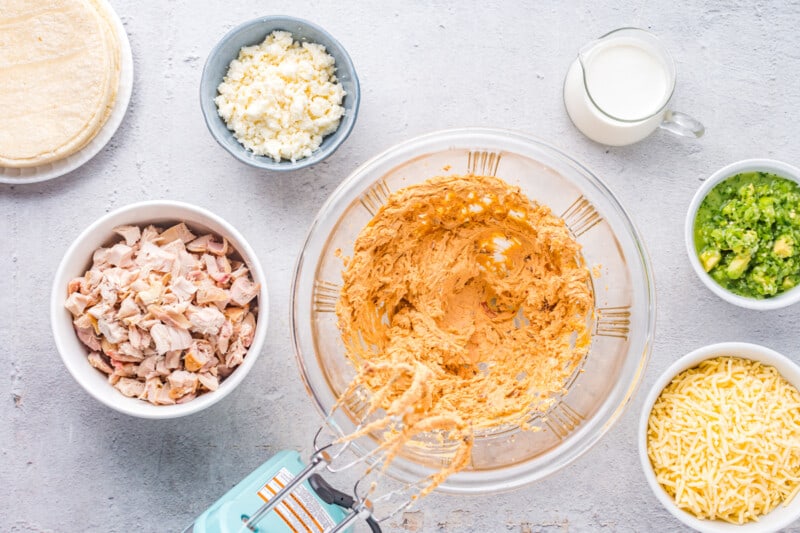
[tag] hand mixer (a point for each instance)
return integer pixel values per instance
(285, 494)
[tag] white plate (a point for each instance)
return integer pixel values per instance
(68, 164)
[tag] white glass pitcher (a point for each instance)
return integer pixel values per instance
(618, 89)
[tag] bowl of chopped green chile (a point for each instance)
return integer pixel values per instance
(743, 234)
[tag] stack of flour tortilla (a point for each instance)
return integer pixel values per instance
(59, 75)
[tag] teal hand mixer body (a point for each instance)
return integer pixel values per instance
(287, 495)
(282, 495)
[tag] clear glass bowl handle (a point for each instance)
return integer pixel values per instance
(682, 124)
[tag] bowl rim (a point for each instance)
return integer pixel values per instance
(496, 481)
(338, 137)
(746, 350)
(779, 168)
(77, 367)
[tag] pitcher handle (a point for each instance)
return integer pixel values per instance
(682, 124)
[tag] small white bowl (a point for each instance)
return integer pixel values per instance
(254, 32)
(748, 165)
(78, 259)
(781, 516)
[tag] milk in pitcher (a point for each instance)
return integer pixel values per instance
(617, 89)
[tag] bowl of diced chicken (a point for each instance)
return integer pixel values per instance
(159, 309)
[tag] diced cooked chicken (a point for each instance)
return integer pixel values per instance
(168, 338)
(139, 339)
(108, 348)
(218, 248)
(74, 286)
(131, 388)
(173, 359)
(177, 232)
(205, 320)
(168, 299)
(108, 292)
(186, 263)
(120, 255)
(147, 324)
(99, 310)
(132, 353)
(99, 362)
(218, 268)
(150, 234)
(91, 279)
(236, 314)
(124, 358)
(147, 368)
(211, 366)
(239, 271)
(186, 399)
(194, 361)
(161, 367)
(77, 302)
(248, 330)
(120, 277)
(112, 330)
(211, 294)
(131, 234)
(182, 383)
(208, 381)
(224, 337)
(235, 355)
(152, 293)
(166, 315)
(183, 288)
(200, 354)
(174, 247)
(170, 316)
(196, 275)
(128, 308)
(155, 392)
(121, 370)
(200, 244)
(154, 257)
(84, 328)
(243, 290)
(100, 258)
(223, 371)
(164, 397)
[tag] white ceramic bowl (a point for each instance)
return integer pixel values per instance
(78, 259)
(748, 165)
(781, 516)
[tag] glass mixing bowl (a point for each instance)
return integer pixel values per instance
(622, 323)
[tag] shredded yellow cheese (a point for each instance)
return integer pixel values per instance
(724, 439)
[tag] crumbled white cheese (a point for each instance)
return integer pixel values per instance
(281, 97)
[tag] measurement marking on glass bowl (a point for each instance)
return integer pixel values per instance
(483, 163)
(357, 404)
(325, 295)
(562, 419)
(581, 216)
(375, 197)
(613, 321)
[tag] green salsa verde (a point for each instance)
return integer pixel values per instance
(747, 234)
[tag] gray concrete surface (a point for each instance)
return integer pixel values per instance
(69, 464)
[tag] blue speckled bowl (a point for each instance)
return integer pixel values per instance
(254, 32)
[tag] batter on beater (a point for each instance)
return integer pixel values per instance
(464, 307)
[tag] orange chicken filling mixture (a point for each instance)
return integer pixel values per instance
(465, 306)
